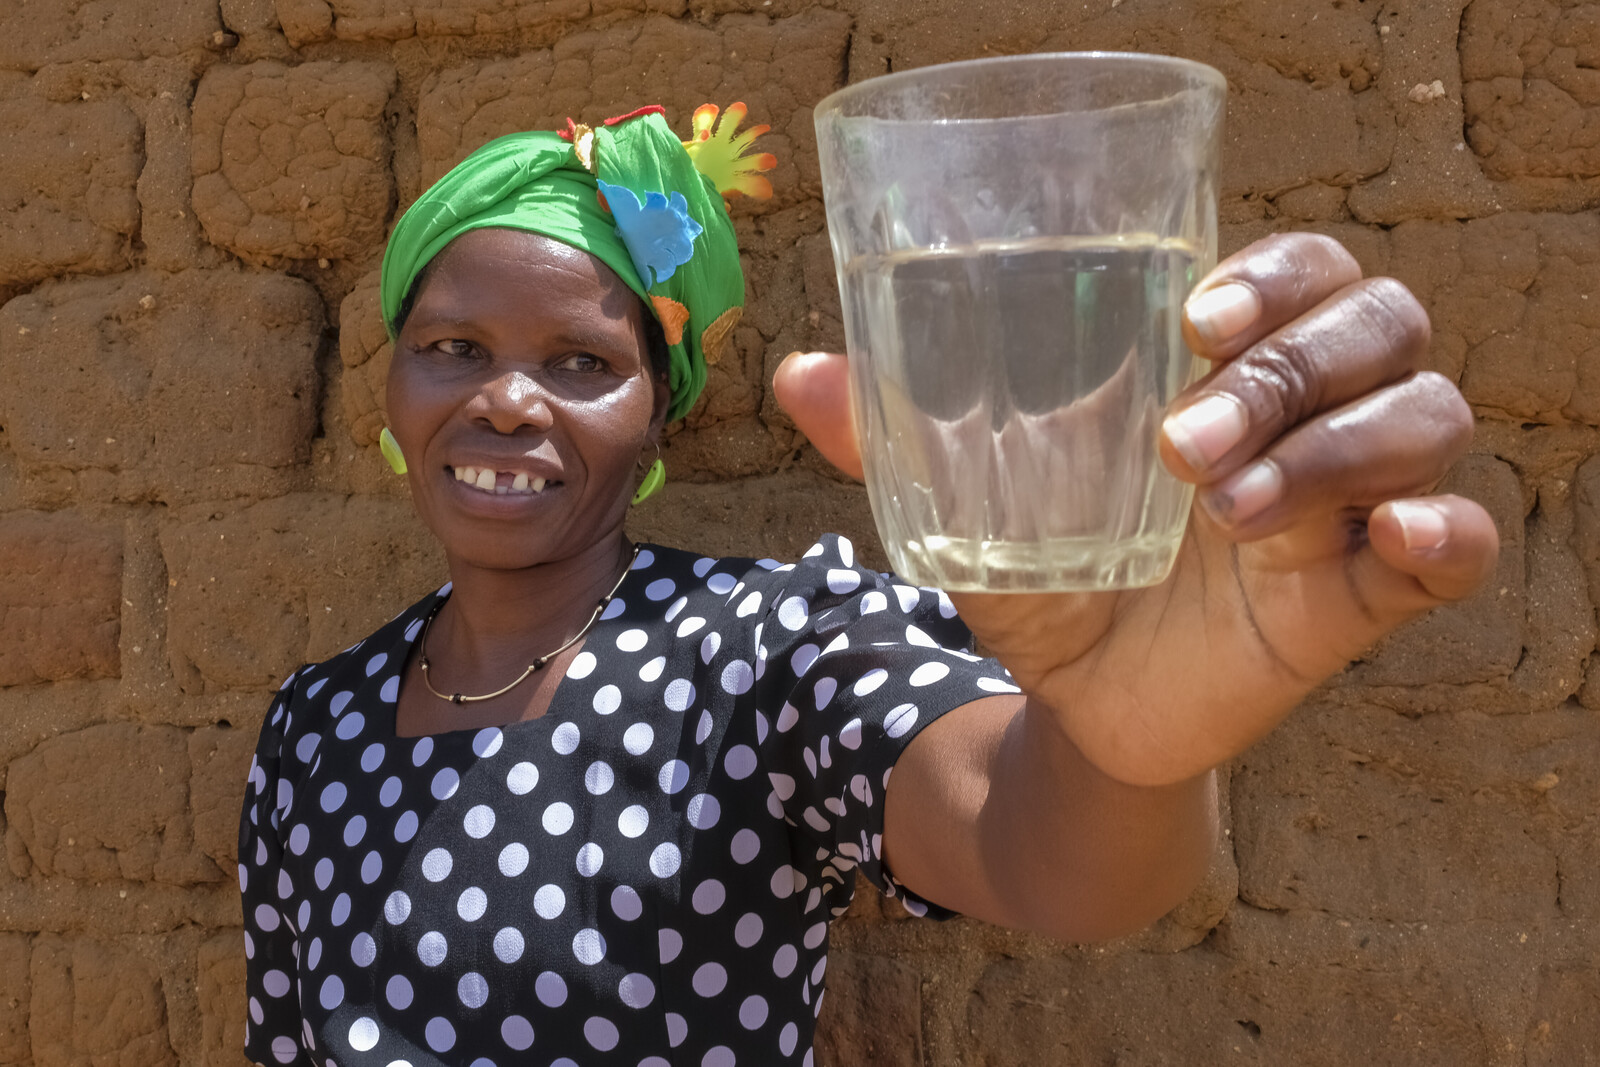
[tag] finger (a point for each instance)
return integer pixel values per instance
(814, 388)
(1256, 290)
(1367, 335)
(1448, 545)
(1396, 442)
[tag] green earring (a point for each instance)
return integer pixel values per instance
(391, 451)
(654, 479)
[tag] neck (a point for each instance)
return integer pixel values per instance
(498, 620)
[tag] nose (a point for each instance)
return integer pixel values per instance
(510, 402)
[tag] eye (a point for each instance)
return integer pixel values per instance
(455, 347)
(583, 363)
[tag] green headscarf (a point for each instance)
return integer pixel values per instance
(660, 224)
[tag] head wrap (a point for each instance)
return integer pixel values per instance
(628, 192)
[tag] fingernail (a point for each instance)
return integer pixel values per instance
(1422, 527)
(1221, 313)
(1245, 494)
(1204, 431)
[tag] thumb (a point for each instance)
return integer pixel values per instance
(814, 388)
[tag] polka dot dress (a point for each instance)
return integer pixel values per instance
(644, 876)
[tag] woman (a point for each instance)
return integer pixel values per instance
(596, 803)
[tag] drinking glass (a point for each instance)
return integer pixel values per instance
(1014, 240)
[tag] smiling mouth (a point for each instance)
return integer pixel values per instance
(501, 483)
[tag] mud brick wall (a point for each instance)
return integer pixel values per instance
(193, 198)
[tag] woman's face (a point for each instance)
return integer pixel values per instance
(521, 394)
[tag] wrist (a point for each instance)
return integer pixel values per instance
(1120, 745)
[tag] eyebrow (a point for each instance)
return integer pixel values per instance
(567, 333)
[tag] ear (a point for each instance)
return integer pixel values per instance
(663, 400)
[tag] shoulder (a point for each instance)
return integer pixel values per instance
(686, 571)
(826, 574)
(830, 554)
(316, 690)
(748, 608)
(828, 588)
(746, 583)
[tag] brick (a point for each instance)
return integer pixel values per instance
(1301, 108)
(14, 996)
(821, 283)
(258, 592)
(1578, 847)
(1364, 814)
(219, 759)
(364, 353)
(202, 381)
(222, 999)
(97, 1002)
(1466, 307)
(1561, 1028)
(258, 26)
(1561, 627)
(144, 908)
(34, 33)
(1531, 92)
(1586, 525)
(722, 450)
(68, 201)
(108, 802)
(734, 385)
(463, 17)
(872, 1013)
(771, 246)
(33, 713)
(1284, 133)
(779, 68)
(1530, 370)
(1312, 202)
(167, 227)
(305, 21)
(1270, 989)
(60, 598)
(1515, 317)
(1208, 903)
(1432, 174)
(1423, 993)
(293, 162)
(778, 516)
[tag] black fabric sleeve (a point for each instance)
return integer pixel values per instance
(273, 1028)
(855, 664)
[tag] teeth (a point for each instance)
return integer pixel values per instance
(485, 479)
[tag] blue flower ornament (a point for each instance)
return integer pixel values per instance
(658, 233)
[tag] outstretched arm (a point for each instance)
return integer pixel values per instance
(1087, 810)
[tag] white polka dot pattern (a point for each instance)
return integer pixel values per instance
(656, 860)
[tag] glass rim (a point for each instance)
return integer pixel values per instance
(1202, 72)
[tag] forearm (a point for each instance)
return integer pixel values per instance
(994, 813)
(1077, 854)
